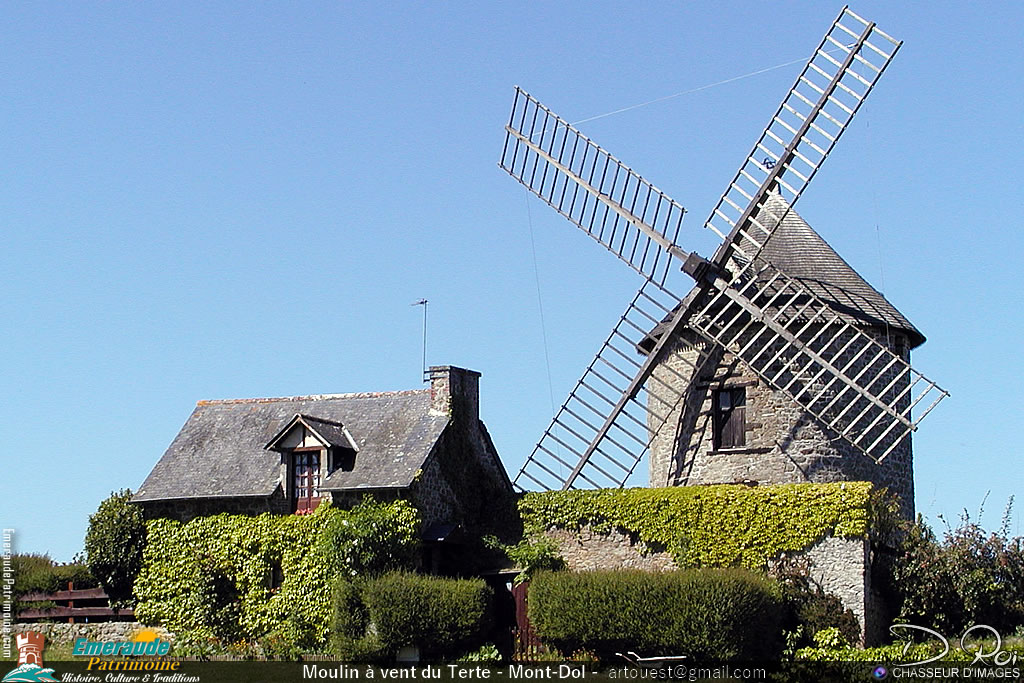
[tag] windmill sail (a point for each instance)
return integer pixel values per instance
(606, 426)
(817, 109)
(801, 345)
(743, 304)
(598, 193)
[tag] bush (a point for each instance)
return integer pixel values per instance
(113, 545)
(707, 614)
(442, 617)
(970, 577)
(487, 653)
(530, 555)
(810, 610)
(33, 574)
(38, 574)
(372, 538)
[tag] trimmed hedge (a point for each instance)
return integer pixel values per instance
(443, 617)
(711, 526)
(706, 614)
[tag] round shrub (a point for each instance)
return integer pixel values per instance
(114, 543)
(707, 614)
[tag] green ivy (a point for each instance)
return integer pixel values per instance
(233, 578)
(710, 526)
(530, 555)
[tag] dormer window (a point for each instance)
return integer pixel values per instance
(305, 480)
(311, 448)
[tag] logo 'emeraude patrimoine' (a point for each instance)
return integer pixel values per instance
(120, 648)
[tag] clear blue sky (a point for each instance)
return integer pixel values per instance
(217, 200)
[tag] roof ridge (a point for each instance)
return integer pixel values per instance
(312, 397)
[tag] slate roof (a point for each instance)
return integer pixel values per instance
(219, 452)
(803, 254)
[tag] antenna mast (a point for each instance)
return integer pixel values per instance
(423, 302)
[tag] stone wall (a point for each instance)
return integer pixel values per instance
(587, 550)
(463, 481)
(432, 495)
(839, 565)
(783, 444)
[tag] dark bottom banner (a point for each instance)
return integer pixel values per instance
(174, 671)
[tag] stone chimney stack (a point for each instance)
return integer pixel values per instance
(456, 392)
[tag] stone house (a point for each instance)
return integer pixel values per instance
(730, 427)
(287, 455)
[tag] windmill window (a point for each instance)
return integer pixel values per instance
(730, 418)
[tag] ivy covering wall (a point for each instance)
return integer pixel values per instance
(710, 526)
(237, 578)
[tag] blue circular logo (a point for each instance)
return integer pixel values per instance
(880, 672)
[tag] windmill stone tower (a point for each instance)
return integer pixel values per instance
(781, 364)
(731, 426)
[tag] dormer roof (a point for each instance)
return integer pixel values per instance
(299, 429)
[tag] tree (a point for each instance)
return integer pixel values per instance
(113, 545)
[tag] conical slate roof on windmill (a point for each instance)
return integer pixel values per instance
(797, 249)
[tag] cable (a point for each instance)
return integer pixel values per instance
(687, 92)
(540, 306)
(878, 238)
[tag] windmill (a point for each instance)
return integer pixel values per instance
(787, 330)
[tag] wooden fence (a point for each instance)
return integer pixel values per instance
(76, 606)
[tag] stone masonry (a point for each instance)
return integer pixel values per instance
(783, 444)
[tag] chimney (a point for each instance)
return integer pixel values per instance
(455, 391)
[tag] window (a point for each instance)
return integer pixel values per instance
(306, 480)
(730, 419)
